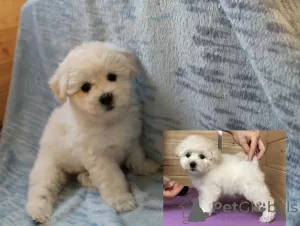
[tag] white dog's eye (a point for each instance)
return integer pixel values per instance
(86, 87)
(202, 156)
(111, 77)
(187, 155)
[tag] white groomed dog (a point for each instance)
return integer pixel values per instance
(96, 130)
(215, 174)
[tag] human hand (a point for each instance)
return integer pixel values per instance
(250, 141)
(171, 188)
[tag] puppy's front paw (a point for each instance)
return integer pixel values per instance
(145, 168)
(40, 211)
(123, 203)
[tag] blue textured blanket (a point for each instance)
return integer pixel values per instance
(206, 64)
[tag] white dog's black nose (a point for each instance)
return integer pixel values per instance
(106, 99)
(193, 164)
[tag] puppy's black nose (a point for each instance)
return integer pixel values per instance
(193, 164)
(106, 99)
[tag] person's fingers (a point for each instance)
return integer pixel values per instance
(262, 149)
(175, 185)
(169, 184)
(165, 181)
(172, 193)
(253, 146)
(176, 190)
(167, 194)
(244, 145)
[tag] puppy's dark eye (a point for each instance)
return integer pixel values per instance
(202, 156)
(111, 77)
(187, 155)
(86, 87)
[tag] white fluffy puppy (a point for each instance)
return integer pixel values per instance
(215, 174)
(95, 130)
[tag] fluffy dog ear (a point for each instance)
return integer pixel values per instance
(132, 63)
(58, 83)
(130, 57)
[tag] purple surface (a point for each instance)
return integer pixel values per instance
(174, 215)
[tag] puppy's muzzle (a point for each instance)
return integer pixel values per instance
(107, 100)
(193, 165)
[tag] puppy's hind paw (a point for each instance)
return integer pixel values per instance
(123, 203)
(146, 168)
(267, 217)
(207, 212)
(39, 213)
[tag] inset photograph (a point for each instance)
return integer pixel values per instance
(224, 178)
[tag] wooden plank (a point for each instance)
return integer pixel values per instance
(227, 138)
(9, 20)
(276, 155)
(174, 170)
(184, 180)
(274, 135)
(276, 181)
(10, 13)
(7, 50)
(169, 149)
(3, 99)
(175, 136)
(263, 135)
(233, 149)
(171, 161)
(229, 146)
(6, 70)
(172, 138)
(8, 33)
(262, 162)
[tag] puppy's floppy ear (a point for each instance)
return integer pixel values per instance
(131, 62)
(130, 57)
(58, 83)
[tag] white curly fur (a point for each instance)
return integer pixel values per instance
(82, 137)
(217, 174)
